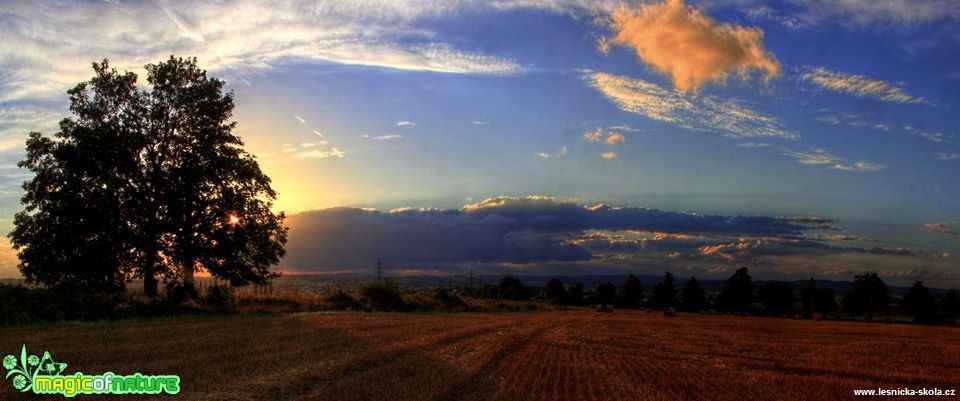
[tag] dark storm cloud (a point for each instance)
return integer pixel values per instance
(496, 230)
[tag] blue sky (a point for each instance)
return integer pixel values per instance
(842, 110)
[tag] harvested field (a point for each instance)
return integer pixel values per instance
(568, 355)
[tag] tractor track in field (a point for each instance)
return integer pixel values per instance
(473, 387)
(299, 383)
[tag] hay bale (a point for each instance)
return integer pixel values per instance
(816, 317)
(670, 312)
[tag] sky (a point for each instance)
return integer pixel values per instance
(560, 137)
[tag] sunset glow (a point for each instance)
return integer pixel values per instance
(539, 137)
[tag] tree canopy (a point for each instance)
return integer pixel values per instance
(146, 183)
(631, 292)
(737, 292)
(693, 297)
(664, 293)
(868, 294)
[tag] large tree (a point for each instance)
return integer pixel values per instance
(694, 297)
(868, 294)
(631, 292)
(664, 293)
(146, 183)
(737, 292)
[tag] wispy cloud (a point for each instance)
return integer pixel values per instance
(940, 227)
(301, 120)
(386, 137)
(688, 45)
(47, 47)
(859, 85)
(608, 155)
(948, 156)
(867, 12)
(478, 122)
(753, 145)
(320, 154)
(698, 113)
(406, 124)
(820, 157)
(624, 128)
(543, 155)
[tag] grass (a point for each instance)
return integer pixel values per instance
(560, 355)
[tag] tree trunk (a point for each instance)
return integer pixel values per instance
(149, 281)
(188, 274)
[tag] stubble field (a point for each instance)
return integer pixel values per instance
(563, 355)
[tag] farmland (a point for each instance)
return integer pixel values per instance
(560, 355)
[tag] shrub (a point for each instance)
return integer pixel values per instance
(342, 301)
(220, 297)
(381, 296)
(448, 301)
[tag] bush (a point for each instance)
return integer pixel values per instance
(220, 297)
(448, 301)
(343, 301)
(20, 305)
(381, 296)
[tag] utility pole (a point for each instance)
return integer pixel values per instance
(379, 269)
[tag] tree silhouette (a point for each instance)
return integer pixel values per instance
(555, 291)
(825, 301)
(919, 303)
(776, 296)
(631, 292)
(510, 287)
(575, 294)
(664, 293)
(869, 293)
(606, 293)
(693, 298)
(808, 294)
(950, 304)
(737, 292)
(144, 184)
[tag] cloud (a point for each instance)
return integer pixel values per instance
(301, 120)
(859, 85)
(480, 122)
(820, 157)
(47, 47)
(614, 139)
(495, 230)
(608, 155)
(406, 124)
(317, 133)
(753, 145)
(543, 155)
(940, 227)
(868, 12)
(386, 137)
(688, 45)
(320, 154)
(624, 127)
(697, 113)
(593, 135)
(948, 156)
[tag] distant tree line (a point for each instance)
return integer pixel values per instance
(867, 296)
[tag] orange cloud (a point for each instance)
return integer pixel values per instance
(609, 155)
(688, 45)
(614, 139)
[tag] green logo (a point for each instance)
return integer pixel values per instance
(43, 375)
